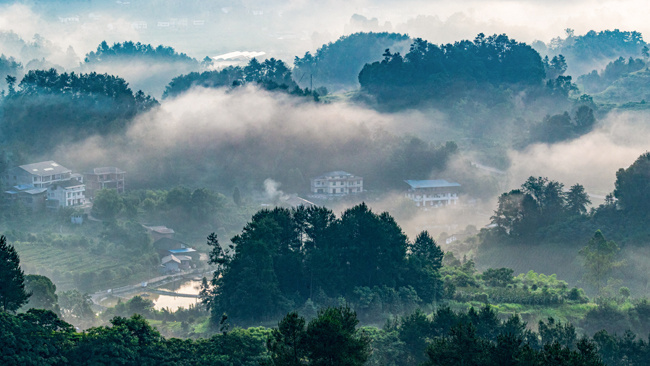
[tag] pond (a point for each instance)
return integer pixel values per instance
(161, 301)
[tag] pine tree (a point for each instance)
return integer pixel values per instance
(12, 278)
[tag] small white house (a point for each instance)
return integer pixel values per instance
(432, 193)
(66, 194)
(337, 183)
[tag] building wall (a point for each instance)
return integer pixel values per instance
(433, 197)
(337, 186)
(16, 176)
(95, 182)
(68, 197)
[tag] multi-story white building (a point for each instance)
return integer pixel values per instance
(40, 175)
(337, 183)
(432, 193)
(66, 194)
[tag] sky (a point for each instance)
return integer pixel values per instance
(291, 27)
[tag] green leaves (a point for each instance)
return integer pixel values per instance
(12, 279)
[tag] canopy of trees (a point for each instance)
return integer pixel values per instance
(633, 186)
(129, 49)
(538, 204)
(285, 257)
(271, 74)
(584, 52)
(447, 72)
(337, 65)
(595, 82)
(49, 108)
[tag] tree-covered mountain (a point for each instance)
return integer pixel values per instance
(429, 73)
(271, 74)
(336, 65)
(48, 108)
(590, 51)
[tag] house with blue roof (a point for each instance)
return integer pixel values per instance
(433, 192)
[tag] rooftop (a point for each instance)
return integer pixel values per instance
(170, 258)
(106, 170)
(336, 173)
(45, 168)
(295, 201)
(183, 250)
(434, 183)
(160, 229)
(68, 183)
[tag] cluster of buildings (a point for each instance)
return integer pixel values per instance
(50, 185)
(424, 193)
(175, 255)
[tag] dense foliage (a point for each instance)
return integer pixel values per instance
(336, 65)
(12, 285)
(271, 74)
(584, 52)
(128, 49)
(522, 213)
(596, 82)
(429, 72)
(286, 258)
(49, 108)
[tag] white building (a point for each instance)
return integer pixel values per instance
(66, 194)
(40, 175)
(432, 193)
(337, 183)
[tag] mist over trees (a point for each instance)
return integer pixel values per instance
(130, 50)
(66, 107)
(439, 74)
(271, 74)
(336, 65)
(285, 257)
(584, 52)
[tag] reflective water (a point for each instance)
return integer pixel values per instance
(165, 301)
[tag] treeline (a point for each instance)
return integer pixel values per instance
(48, 108)
(446, 337)
(271, 74)
(586, 51)
(128, 49)
(286, 259)
(542, 209)
(336, 65)
(433, 73)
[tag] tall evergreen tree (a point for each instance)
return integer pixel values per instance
(12, 278)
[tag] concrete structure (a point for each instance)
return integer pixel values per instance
(163, 245)
(40, 175)
(32, 197)
(158, 232)
(337, 183)
(104, 178)
(190, 252)
(66, 194)
(432, 193)
(170, 264)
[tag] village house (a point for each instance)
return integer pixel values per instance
(164, 244)
(40, 175)
(32, 197)
(337, 183)
(432, 193)
(158, 232)
(31, 181)
(170, 264)
(66, 193)
(104, 178)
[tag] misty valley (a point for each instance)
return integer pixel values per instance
(294, 183)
